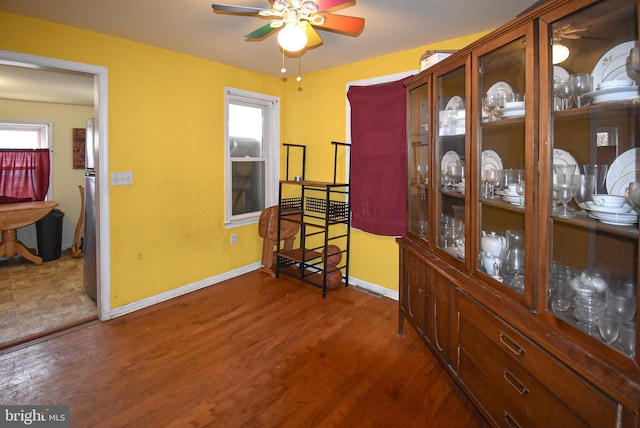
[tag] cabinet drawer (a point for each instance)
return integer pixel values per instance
(498, 347)
(520, 396)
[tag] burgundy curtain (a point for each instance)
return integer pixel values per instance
(24, 175)
(379, 158)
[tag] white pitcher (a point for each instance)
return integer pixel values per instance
(492, 244)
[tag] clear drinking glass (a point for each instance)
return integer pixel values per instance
(628, 338)
(633, 194)
(587, 310)
(600, 172)
(622, 302)
(609, 325)
(583, 187)
(560, 292)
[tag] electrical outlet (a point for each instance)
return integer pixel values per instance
(234, 239)
(121, 178)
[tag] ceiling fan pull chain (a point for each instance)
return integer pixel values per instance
(299, 78)
(283, 69)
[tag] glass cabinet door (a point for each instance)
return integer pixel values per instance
(451, 165)
(591, 100)
(505, 157)
(418, 158)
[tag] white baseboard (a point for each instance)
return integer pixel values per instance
(177, 292)
(374, 288)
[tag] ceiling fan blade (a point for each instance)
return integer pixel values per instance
(330, 4)
(261, 32)
(343, 24)
(313, 36)
(243, 10)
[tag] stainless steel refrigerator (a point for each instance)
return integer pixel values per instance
(89, 239)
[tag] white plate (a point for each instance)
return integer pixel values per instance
(563, 157)
(491, 160)
(623, 171)
(609, 66)
(616, 219)
(455, 103)
(616, 84)
(560, 73)
(500, 88)
(514, 200)
(449, 158)
(512, 113)
(612, 94)
(625, 209)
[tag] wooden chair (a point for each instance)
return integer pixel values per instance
(268, 230)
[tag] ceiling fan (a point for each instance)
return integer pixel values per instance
(296, 21)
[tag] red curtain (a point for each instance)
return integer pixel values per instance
(24, 175)
(379, 158)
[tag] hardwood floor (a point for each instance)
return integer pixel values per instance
(253, 351)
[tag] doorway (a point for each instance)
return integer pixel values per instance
(100, 75)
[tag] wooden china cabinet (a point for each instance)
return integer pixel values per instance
(518, 297)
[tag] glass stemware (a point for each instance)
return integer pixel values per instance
(583, 187)
(565, 193)
(580, 85)
(491, 104)
(454, 173)
(562, 185)
(562, 89)
(492, 177)
(520, 191)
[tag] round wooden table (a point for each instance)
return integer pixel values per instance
(14, 216)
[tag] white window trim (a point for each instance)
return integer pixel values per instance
(27, 124)
(271, 146)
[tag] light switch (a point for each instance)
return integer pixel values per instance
(121, 178)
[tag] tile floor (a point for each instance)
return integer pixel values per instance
(36, 299)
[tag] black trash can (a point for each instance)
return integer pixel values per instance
(49, 235)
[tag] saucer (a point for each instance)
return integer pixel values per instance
(615, 219)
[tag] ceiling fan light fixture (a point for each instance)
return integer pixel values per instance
(292, 38)
(559, 53)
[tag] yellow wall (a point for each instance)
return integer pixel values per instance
(166, 124)
(166, 117)
(65, 179)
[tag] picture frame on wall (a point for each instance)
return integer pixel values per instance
(79, 141)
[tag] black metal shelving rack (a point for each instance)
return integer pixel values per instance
(323, 213)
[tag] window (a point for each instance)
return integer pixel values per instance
(26, 163)
(251, 154)
(24, 135)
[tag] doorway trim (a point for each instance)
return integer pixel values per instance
(100, 105)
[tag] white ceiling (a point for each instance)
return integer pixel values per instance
(190, 26)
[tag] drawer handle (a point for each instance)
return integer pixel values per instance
(510, 421)
(510, 344)
(514, 382)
